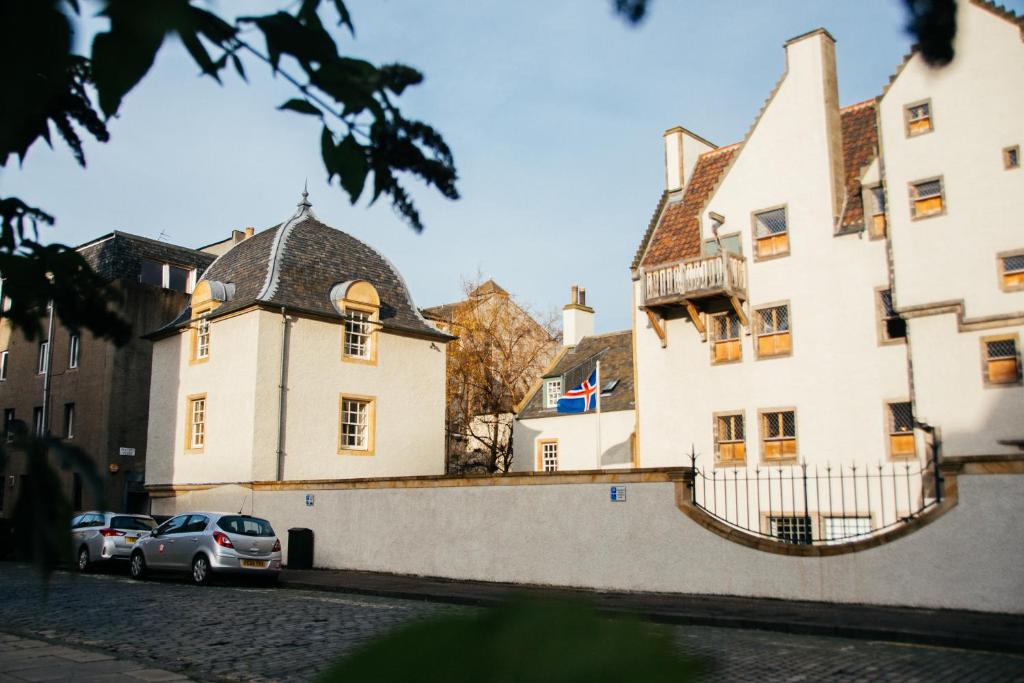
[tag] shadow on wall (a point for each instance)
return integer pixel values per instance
(161, 459)
(1003, 421)
(618, 454)
(526, 449)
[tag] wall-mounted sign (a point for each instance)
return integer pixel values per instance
(309, 500)
(130, 452)
(618, 494)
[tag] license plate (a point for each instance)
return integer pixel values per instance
(255, 564)
(130, 539)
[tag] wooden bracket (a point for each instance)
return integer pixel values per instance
(659, 329)
(740, 313)
(697, 322)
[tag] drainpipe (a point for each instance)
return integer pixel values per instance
(46, 376)
(281, 397)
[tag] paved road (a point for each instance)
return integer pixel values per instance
(262, 634)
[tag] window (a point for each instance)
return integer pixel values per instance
(3, 366)
(891, 326)
(875, 205)
(172, 526)
(725, 338)
(926, 198)
(356, 425)
(69, 420)
(730, 243)
(165, 275)
(771, 233)
(195, 524)
(919, 118)
(901, 429)
(37, 421)
(195, 432)
(547, 456)
(151, 273)
(790, 529)
(838, 529)
(74, 343)
(201, 339)
(1011, 157)
(1001, 360)
(772, 330)
(730, 446)
(8, 427)
(778, 434)
(177, 278)
(44, 356)
(1011, 275)
(357, 335)
(552, 392)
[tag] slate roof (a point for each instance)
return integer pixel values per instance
(615, 351)
(677, 235)
(296, 263)
(118, 255)
(860, 146)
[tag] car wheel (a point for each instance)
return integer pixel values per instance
(200, 570)
(83, 559)
(138, 566)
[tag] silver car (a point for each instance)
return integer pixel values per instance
(205, 543)
(105, 536)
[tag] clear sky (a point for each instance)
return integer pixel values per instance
(554, 110)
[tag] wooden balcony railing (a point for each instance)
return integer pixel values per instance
(724, 274)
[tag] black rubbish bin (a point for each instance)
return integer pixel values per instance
(300, 548)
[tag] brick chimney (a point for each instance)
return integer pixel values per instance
(577, 317)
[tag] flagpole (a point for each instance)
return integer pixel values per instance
(597, 393)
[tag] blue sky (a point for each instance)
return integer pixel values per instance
(554, 111)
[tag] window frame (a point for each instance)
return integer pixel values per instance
(1015, 149)
(69, 420)
(74, 350)
(984, 341)
(190, 446)
(912, 186)
(880, 319)
(371, 423)
(548, 383)
(718, 442)
(825, 517)
(907, 120)
(38, 428)
(541, 443)
(43, 361)
(200, 318)
(870, 221)
(763, 438)
(372, 322)
(729, 315)
(4, 358)
(757, 256)
(9, 418)
(756, 323)
(1001, 270)
(890, 431)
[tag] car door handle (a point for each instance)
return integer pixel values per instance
(195, 540)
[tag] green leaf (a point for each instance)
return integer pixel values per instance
(302, 107)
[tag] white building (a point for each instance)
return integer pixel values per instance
(300, 357)
(545, 440)
(862, 299)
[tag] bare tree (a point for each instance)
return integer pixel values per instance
(502, 347)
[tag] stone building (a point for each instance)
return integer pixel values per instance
(99, 394)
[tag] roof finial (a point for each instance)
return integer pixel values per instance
(305, 203)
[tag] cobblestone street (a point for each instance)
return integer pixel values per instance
(233, 632)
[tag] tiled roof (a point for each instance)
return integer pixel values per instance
(118, 255)
(615, 351)
(306, 258)
(677, 235)
(860, 146)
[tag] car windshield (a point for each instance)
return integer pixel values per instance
(245, 526)
(132, 523)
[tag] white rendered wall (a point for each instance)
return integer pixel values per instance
(573, 535)
(577, 440)
(241, 381)
(838, 376)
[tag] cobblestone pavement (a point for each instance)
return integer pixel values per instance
(235, 632)
(22, 659)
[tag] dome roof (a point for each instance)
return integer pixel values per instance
(296, 264)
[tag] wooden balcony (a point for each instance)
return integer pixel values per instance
(706, 277)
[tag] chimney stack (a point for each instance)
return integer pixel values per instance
(681, 151)
(249, 230)
(577, 317)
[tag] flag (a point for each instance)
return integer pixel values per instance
(581, 398)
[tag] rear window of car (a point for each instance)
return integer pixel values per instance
(132, 523)
(245, 526)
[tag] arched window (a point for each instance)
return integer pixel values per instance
(359, 304)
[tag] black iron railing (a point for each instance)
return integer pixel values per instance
(808, 504)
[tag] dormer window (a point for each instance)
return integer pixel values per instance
(359, 305)
(919, 118)
(208, 295)
(552, 392)
(166, 275)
